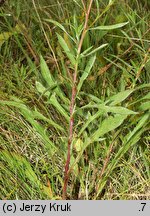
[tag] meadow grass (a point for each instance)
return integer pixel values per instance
(74, 99)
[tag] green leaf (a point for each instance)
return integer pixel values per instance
(46, 74)
(147, 96)
(110, 27)
(40, 116)
(66, 49)
(95, 50)
(107, 125)
(119, 97)
(144, 119)
(147, 85)
(59, 25)
(86, 72)
(20, 164)
(92, 97)
(86, 51)
(90, 119)
(145, 106)
(41, 89)
(77, 3)
(101, 110)
(119, 110)
(53, 100)
(56, 24)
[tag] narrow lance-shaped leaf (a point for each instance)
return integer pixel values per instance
(119, 97)
(86, 72)
(142, 121)
(147, 96)
(40, 130)
(90, 119)
(109, 27)
(95, 50)
(46, 72)
(86, 51)
(118, 110)
(105, 109)
(40, 116)
(50, 81)
(66, 49)
(53, 100)
(59, 25)
(108, 125)
(145, 106)
(147, 85)
(41, 89)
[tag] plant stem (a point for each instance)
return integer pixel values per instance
(72, 104)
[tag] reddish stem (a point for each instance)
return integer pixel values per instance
(72, 105)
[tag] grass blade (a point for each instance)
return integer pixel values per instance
(28, 115)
